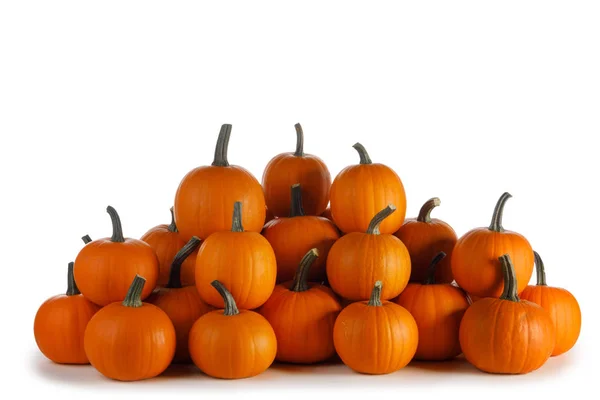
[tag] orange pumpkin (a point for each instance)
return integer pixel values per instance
(358, 259)
(60, 323)
(232, 344)
(560, 304)
(438, 309)
(291, 237)
(130, 340)
(424, 237)
(475, 264)
(182, 304)
(104, 268)
(302, 315)
(205, 193)
(359, 191)
(507, 335)
(288, 168)
(375, 336)
(242, 260)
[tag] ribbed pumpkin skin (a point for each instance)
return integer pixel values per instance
(165, 244)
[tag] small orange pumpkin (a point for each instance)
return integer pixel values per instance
(232, 344)
(560, 304)
(375, 336)
(302, 315)
(60, 322)
(507, 335)
(104, 268)
(358, 259)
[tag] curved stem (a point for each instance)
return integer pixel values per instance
(430, 279)
(375, 299)
(134, 294)
(72, 289)
(236, 221)
(172, 226)
(373, 228)
(175, 272)
(117, 235)
(540, 271)
(86, 239)
(425, 212)
(362, 152)
(300, 283)
(230, 306)
(220, 159)
(496, 224)
(299, 141)
(296, 209)
(510, 279)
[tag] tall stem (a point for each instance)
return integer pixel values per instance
(86, 239)
(134, 294)
(425, 212)
(172, 226)
(430, 279)
(300, 283)
(299, 141)
(496, 224)
(236, 221)
(296, 209)
(117, 235)
(72, 289)
(220, 159)
(230, 306)
(373, 228)
(362, 152)
(510, 279)
(175, 272)
(375, 299)
(540, 271)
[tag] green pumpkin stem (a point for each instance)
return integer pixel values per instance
(220, 159)
(72, 289)
(299, 141)
(362, 152)
(540, 271)
(134, 294)
(86, 239)
(230, 306)
(373, 228)
(117, 235)
(300, 283)
(496, 224)
(510, 279)
(425, 212)
(375, 300)
(236, 220)
(172, 226)
(296, 209)
(430, 278)
(175, 272)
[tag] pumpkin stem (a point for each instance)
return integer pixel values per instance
(299, 141)
(175, 272)
(172, 226)
(222, 145)
(236, 221)
(510, 279)
(540, 271)
(230, 306)
(425, 212)
(375, 300)
(117, 235)
(300, 283)
(296, 209)
(72, 289)
(373, 228)
(134, 294)
(362, 152)
(496, 224)
(430, 279)
(86, 239)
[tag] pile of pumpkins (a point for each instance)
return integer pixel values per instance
(301, 269)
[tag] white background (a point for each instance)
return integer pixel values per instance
(113, 102)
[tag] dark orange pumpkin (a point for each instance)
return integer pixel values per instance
(562, 306)
(360, 191)
(358, 259)
(425, 237)
(60, 322)
(475, 264)
(302, 315)
(242, 260)
(438, 309)
(104, 268)
(286, 169)
(507, 335)
(291, 237)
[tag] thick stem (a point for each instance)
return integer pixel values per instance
(134, 294)
(425, 212)
(117, 235)
(362, 152)
(375, 299)
(86, 239)
(72, 289)
(510, 279)
(172, 226)
(540, 271)
(300, 283)
(220, 159)
(496, 224)
(175, 272)
(230, 306)
(373, 228)
(236, 221)
(296, 209)
(299, 141)
(430, 279)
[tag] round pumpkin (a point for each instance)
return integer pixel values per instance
(359, 191)
(205, 194)
(358, 259)
(104, 268)
(475, 264)
(562, 306)
(507, 335)
(425, 237)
